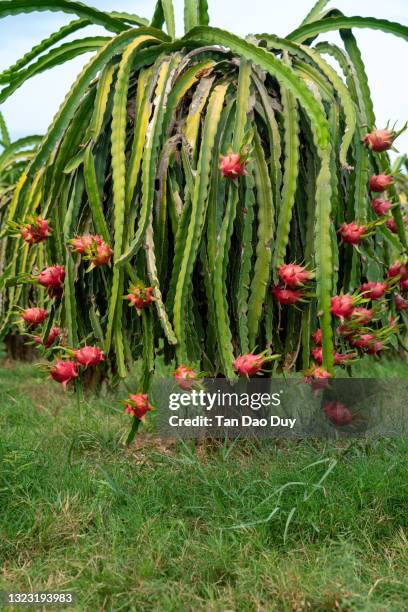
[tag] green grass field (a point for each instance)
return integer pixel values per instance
(160, 526)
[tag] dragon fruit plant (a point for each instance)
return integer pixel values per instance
(14, 156)
(214, 199)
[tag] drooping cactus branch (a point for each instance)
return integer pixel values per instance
(168, 250)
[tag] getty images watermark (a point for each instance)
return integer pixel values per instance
(222, 401)
(278, 408)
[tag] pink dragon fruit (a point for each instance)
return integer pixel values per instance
(338, 413)
(103, 255)
(362, 341)
(395, 269)
(361, 315)
(52, 277)
(64, 372)
(232, 166)
(342, 306)
(318, 378)
(89, 356)
(400, 303)
(339, 358)
(375, 348)
(380, 207)
(342, 358)
(317, 337)
(185, 377)
(373, 291)
(380, 182)
(82, 244)
(36, 232)
(294, 276)
(351, 233)
(249, 364)
(368, 343)
(287, 297)
(54, 334)
(317, 354)
(34, 316)
(379, 140)
(138, 405)
(404, 285)
(140, 297)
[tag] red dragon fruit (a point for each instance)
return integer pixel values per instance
(318, 378)
(317, 337)
(342, 358)
(373, 291)
(64, 371)
(249, 364)
(361, 315)
(140, 297)
(317, 354)
(102, 256)
(294, 276)
(367, 342)
(185, 377)
(392, 226)
(339, 358)
(380, 206)
(36, 232)
(42, 229)
(89, 356)
(94, 247)
(232, 166)
(52, 279)
(54, 334)
(27, 234)
(379, 140)
(400, 303)
(375, 347)
(345, 331)
(82, 244)
(395, 269)
(320, 373)
(398, 269)
(380, 182)
(404, 285)
(362, 341)
(138, 405)
(287, 297)
(342, 306)
(34, 316)
(351, 233)
(338, 413)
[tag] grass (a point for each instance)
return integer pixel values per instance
(166, 527)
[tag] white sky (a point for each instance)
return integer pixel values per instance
(30, 109)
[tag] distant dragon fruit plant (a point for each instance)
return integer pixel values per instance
(14, 156)
(224, 202)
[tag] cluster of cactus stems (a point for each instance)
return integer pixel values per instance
(222, 189)
(14, 156)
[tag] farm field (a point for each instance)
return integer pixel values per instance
(161, 526)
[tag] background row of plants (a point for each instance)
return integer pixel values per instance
(132, 157)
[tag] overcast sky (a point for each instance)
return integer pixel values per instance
(30, 110)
